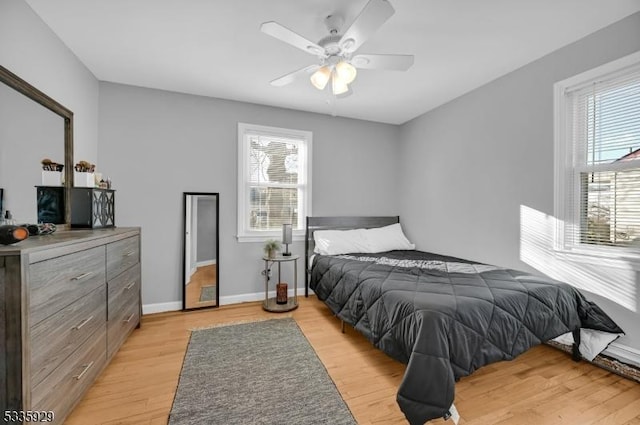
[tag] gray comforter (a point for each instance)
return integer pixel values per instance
(445, 317)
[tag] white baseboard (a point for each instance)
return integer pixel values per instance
(623, 353)
(161, 307)
(256, 296)
(206, 263)
(224, 300)
(241, 298)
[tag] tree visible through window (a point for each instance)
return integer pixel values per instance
(273, 174)
(274, 187)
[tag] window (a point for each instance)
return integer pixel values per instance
(274, 181)
(598, 158)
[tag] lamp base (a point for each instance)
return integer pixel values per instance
(286, 252)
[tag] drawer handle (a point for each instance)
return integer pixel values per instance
(82, 276)
(130, 317)
(84, 322)
(129, 286)
(85, 370)
(128, 254)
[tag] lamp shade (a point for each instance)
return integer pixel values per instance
(338, 86)
(286, 234)
(346, 72)
(320, 78)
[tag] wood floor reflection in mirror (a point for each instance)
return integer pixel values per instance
(202, 288)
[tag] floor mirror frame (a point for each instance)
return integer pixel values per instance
(187, 262)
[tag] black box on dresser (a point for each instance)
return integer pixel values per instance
(50, 200)
(92, 208)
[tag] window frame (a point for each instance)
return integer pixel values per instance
(244, 234)
(564, 167)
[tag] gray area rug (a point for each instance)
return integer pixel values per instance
(208, 293)
(255, 373)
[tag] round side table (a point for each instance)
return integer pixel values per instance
(270, 304)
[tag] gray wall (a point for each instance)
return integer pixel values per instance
(28, 133)
(477, 174)
(31, 50)
(156, 144)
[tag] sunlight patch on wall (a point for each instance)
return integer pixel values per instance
(613, 279)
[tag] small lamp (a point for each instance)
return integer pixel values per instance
(286, 239)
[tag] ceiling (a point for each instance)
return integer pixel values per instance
(215, 48)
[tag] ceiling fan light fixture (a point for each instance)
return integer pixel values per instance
(320, 78)
(346, 72)
(338, 85)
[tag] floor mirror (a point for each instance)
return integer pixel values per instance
(200, 251)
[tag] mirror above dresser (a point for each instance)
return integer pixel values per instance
(33, 126)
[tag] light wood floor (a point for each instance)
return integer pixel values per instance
(543, 386)
(203, 276)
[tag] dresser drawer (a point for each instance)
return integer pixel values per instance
(56, 283)
(122, 290)
(62, 388)
(56, 337)
(121, 325)
(122, 255)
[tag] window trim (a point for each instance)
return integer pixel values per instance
(243, 233)
(563, 160)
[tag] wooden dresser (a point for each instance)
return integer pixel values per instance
(67, 303)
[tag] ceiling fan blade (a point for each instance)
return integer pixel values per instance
(282, 33)
(374, 14)
(391, 62)
(292, 76)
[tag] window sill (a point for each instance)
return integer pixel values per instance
(625, 260)
(263, 238)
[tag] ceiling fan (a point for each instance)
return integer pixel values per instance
(336, 52)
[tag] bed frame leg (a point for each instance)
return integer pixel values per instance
(342, 326)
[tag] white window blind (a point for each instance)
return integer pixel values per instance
(602, 193)
(274, 186)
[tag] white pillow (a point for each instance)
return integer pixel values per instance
(379, 239)
(335, 242)
(592, 342)
(388, 238)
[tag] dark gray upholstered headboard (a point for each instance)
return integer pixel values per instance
(337, 223)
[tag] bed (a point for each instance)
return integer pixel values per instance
(444, 317)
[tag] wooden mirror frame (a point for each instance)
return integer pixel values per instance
(21, 86)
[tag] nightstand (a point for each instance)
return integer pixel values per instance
(270, 304)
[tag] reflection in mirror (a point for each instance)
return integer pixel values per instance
(28, 133)
(200, 259)
(31, 130)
